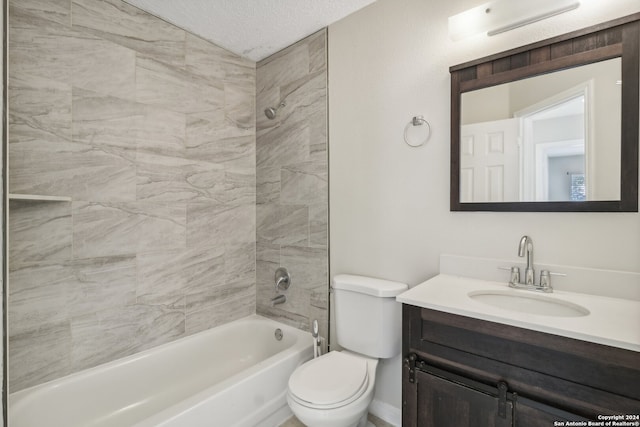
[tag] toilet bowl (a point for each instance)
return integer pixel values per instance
(334, 390)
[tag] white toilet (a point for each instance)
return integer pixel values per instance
(335, 389)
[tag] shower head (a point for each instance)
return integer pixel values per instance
(271, 111)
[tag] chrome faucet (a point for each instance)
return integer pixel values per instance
(526, 246)
(283, 281)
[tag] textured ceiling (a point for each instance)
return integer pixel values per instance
(254, 29)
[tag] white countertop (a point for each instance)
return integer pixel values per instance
(611, 321)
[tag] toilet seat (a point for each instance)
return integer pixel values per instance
(330, 381)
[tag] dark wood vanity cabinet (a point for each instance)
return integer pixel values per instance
(460, 371)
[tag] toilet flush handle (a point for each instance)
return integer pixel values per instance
(317, 339)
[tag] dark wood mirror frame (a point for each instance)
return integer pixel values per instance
(618, 38)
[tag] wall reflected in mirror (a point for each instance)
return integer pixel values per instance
(552, 137)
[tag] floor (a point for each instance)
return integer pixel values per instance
(293, 422)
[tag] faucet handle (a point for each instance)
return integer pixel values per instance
(515, 274)
(282, 279)
(545, 279)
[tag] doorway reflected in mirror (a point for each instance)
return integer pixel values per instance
(521, 141)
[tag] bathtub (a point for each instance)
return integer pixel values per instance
(234, 375)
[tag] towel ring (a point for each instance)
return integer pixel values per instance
(414, 122)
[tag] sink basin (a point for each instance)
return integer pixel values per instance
(526, 302)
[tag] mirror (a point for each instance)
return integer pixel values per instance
(554, 137)
(551, 126)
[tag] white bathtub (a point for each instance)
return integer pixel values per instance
(234, 375)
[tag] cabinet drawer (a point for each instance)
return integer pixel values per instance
(606, 368)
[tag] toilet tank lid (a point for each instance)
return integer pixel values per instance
(368, 285)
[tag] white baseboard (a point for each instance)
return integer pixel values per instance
(386, 412)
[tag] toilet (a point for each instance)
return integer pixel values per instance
(336, 389)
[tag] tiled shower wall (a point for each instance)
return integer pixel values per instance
(149, 132)
(292, 187)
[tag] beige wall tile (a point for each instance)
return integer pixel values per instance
(105, 121)
(283, 67)
(40, 135)
(291, 183)
(243, 290)
(160, 279)
(43, 355)
(319, 225)
(204, 268)
(284, 145)
(44, 48)
(239, 105)
(58, 11)
(38, 296)
(175, 89)
(39, 109)
(240, 262)
(212, 224)
(102, 229)
(162, 226)
(121, 331)
(216, 140)
(98, 283)
(310, 265)
(304, 184)
(29, 222)
(131, 27)
(161, 131)
(173, 179)
(214, 63)
(216, 315)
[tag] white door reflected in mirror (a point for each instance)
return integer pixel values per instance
(554, 137)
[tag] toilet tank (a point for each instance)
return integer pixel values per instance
(368, 318)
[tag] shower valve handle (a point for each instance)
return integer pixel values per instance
(282, 279)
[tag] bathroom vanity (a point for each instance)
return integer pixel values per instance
(468, 363)
(486, 352)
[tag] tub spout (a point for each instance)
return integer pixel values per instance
(278, 299)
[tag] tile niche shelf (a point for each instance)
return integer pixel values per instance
(38, 198)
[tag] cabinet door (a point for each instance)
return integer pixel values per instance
(445, 403)
(529, 413)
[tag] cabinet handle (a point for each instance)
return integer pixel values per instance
(410, 362)
(502, 400)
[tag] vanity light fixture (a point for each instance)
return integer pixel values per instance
(499, 16)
